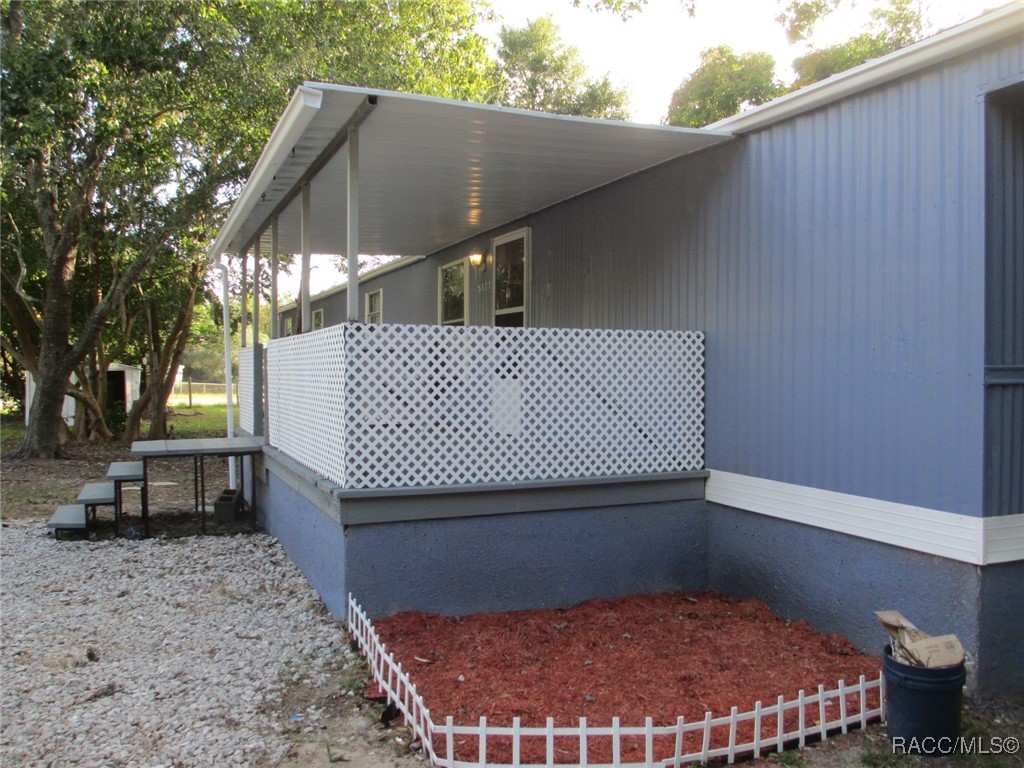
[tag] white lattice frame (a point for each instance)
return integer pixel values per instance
(246, 412)
(306, 399)
(400, 406)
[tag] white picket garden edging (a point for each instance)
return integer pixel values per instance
(769, 730)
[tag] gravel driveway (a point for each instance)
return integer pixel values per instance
(157, 652)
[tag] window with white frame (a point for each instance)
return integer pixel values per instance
(318, 319)
(374, 314)
(289, 325)
(451, 293)
(511, 278)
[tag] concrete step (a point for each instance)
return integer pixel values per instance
(97, 494)
(68, 517)
(125, 471)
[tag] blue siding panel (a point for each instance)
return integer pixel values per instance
(836, 263)
(1004, 338)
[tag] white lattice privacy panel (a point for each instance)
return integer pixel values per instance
(305, 392)
(246, 414)
(398, 406)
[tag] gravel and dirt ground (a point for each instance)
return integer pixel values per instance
(178, 650)
(191, 650)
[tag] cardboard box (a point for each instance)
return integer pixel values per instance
(916, 647)
(941, 651)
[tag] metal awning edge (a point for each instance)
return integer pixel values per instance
(300, 111)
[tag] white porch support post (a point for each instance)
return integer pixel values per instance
(273, 280)
(256, 292)
(257, 348)
(244, 298)
(306, 317)
(353, 225)
(228, 393)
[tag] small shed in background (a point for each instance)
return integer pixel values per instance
(123, 384)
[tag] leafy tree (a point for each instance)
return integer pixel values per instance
(799, 17)
(723, 84)
(726, 83)
(626, 8)
(825, 62)
(541, 72)
(126, 125)
(204, 355)
(892, 28)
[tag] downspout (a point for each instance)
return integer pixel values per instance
(229, 399)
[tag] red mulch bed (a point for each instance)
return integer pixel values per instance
(658, 656)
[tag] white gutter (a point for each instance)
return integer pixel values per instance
(968, 36)
(301, 110)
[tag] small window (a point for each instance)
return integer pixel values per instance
(375, 307)
(511, 279)
(318, 319)
(451, 289)
(289, 326)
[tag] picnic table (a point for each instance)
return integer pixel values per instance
(198, 449)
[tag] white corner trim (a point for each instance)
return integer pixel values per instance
(975, 540)
(1003, 538)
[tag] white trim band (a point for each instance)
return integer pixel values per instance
(975, 540)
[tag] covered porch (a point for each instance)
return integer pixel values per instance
(472, 465)
(424, 410)
(351, 171)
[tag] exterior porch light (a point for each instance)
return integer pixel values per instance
(476, 259)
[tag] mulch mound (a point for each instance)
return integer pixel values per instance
(658, 656)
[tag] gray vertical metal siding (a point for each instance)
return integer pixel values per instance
(409, 294)
(1004, 316)
(335, 308)
(408, 298)
(836, 262)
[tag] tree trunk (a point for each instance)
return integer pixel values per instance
(164, 356)
(43, 436)
(173, 349)
(91, 412)
(61, 239)
(133, 428)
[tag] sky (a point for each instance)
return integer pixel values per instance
(656, 49)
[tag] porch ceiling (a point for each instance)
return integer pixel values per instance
(433, 172)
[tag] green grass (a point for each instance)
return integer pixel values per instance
(198, 399)
(197, 421)
(12, 430)
(202, 420)
(790, 759)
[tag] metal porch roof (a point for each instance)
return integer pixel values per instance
(432, 171)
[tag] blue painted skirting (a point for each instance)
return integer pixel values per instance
(562, 557)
